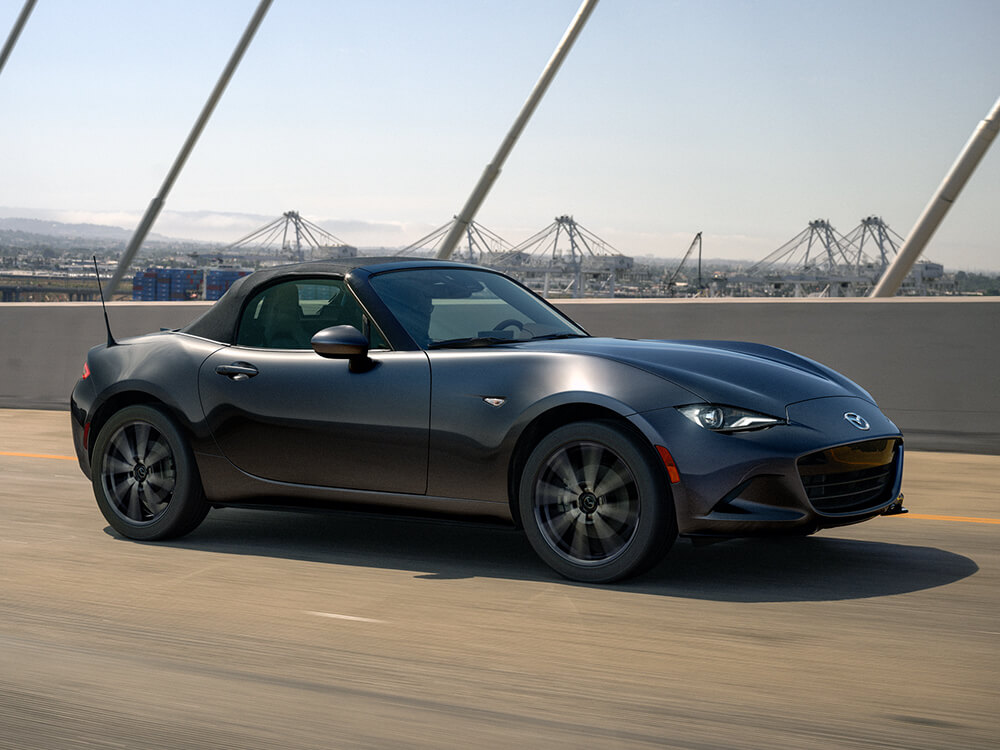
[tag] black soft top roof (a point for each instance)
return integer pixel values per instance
(218, 323)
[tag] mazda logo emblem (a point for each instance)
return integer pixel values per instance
(857, 420)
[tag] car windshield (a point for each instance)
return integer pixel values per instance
(462, 307)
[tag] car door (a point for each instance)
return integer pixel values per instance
(289, 415)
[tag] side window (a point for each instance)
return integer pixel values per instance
(286, 315)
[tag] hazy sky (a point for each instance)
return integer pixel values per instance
(744, 120)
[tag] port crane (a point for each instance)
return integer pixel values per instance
(673, 278)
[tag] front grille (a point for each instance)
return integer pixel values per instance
(851, 478)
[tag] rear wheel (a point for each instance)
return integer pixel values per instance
(144, 475)
(594, 503)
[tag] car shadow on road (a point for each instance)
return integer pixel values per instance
(743, 570)
(814, 568)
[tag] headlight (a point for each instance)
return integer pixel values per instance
(726, 418)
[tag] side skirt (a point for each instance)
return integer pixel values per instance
(227, 485)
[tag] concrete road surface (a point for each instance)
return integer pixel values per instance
(305, 630)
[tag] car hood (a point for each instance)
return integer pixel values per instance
(746, 375)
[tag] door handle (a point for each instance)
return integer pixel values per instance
(237, 371)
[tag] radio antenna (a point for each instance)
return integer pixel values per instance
(104, 306)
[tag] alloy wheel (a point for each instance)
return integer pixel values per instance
(139, 472)
(587, 503)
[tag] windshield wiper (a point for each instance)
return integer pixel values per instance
(554, 336)
(470, 342)
(475, 341)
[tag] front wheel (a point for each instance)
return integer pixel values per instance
(594, 503)
(144, 475)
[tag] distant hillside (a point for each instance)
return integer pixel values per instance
(72, 231)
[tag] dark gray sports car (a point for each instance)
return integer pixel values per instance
(443, 387)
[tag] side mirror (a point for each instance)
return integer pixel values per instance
(343, 342)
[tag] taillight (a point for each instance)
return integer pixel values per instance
(86, 371)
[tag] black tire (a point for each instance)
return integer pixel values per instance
(595, 504)
(144, 476)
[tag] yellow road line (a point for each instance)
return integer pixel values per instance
(38, 455)
(960, 519)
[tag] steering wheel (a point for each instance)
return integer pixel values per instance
(508, 323)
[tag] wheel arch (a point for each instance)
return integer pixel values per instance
(131, 397)
(159, 370)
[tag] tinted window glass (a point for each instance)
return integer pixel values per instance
(437, 305)
(285, 316)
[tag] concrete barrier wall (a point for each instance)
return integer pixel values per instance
(43, 346)
(932, 364)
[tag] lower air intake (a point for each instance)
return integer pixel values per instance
(851, 478)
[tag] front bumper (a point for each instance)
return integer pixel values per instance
(817, 471)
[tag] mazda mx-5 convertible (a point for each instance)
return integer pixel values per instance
(432, 386)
